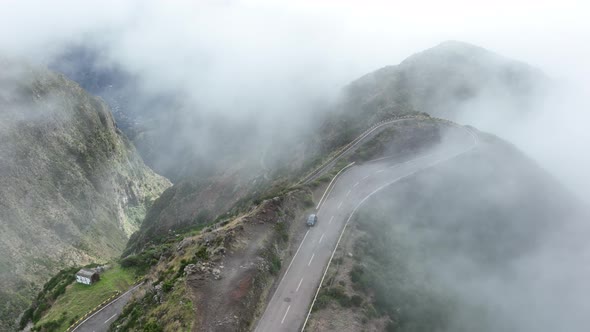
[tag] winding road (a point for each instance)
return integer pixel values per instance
(293, 299)
(291, 303)
(102, 319)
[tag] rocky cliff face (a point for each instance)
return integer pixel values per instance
(72, 188)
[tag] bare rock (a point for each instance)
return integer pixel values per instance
(184, 243)
(159, 293)
(191, 269)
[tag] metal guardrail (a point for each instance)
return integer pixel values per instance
(448, 122)
(102, 305)
(98, 307)
(347, 147)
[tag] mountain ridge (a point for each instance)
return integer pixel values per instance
(387, 92)
(72, 187)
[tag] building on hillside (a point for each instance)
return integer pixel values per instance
(87, 277)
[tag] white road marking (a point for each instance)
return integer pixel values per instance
(113, 316)
(356, 184)
(348, 193)
(286, 271)
(311, 259)
(330, 187)
(321, 238)
(339, 205)
(286, 312)
(299, 285)
(106, 306)
(366, 177)
(360, 138)
(331, 220)
(379, 171)
(475, 144)
(288, 267)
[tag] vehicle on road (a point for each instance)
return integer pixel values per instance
(312, 220)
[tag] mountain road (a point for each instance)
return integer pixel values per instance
(291, 303)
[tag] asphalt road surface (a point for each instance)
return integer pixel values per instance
(102, 319)
(289, 306)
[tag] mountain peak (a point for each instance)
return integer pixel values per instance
(458, 45)
(455, 51)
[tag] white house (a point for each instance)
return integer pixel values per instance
(87, 277)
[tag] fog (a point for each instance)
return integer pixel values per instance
(264, 71)
(552, 130)
(486, 241)
(276, 64)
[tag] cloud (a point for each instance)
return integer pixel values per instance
(229, 48)
(273, 61)
(269, 63)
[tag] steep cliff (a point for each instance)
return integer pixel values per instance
(72, 188)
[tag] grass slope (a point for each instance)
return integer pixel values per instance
(78, 299)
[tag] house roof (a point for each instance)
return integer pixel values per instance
(85, 273)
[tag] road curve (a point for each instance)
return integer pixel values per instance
(102, 319)
(290, 305)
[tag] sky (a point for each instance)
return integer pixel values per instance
(346, 38)
(248, 57)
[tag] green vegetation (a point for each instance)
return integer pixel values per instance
(135, 214)
(399, 288)
(167, 305)
(327, 177)
(175, 313)
(275, 264)
(69, 300)
(79, 171)
(401, 139)
(202, 253)
(173, 308)
(417, 243)
(337, 293)
(375, 147)
(143, 261)
(170, 209)
(283, 231)
(52, 325)
(52, 289)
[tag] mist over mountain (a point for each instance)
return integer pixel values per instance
(221, 166)
(168, 129)
(448, 81)
(183, 143)
(487, 241)
(215, 184)
(88, 66)
(73, 188)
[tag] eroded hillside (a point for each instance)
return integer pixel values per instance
(217, 279)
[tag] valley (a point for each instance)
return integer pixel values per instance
(424, 222)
